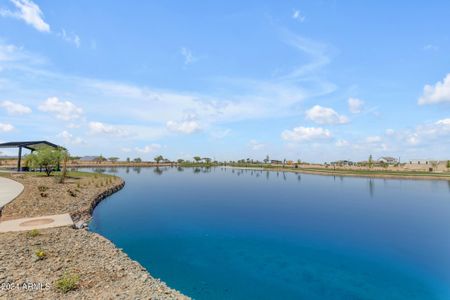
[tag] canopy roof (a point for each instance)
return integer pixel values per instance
(31, 145)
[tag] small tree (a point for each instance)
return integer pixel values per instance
(207, 160)
(267, 159)
(99, 159)
(158, 158)
(197, 158)
(370, 161)
(180, 161)
(47, 158)
(128, 159)
(137, 160)
(448, 163)
(113, 159)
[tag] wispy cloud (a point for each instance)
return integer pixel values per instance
(29, 12)
(5, 127)
(71, 38)
(297, 15)
(355, 105)
(15, 108)
(302, 134)
(189, 58)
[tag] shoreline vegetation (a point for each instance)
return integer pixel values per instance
(66, 262)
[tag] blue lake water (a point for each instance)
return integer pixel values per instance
(239, 234)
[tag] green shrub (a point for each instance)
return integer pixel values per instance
(34, 233)
(40, 254)
(67, 283)
(42, 188)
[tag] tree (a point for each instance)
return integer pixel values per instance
(65, 158)
(99, 159)
(113, 159)
(207, 159)
(267, 159)
(47, 158)
(370, 161)
(158, 158)
(180, 161)
(197, 158)
(448, 163)
(137, 160)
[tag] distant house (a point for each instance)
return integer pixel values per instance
(276, 162)
(388, 160)
(88, 158)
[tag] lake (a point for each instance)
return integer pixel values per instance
(224, 233)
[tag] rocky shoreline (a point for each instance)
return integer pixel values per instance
(37, 265)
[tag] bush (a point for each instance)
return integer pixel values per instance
(67, 283)
(34, 233)
(42, 188)
(40, 254)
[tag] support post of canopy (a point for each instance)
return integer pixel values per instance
(19, 159)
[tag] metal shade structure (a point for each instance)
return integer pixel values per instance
(30, 145)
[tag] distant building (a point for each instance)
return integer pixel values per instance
(388, 160)
(88, 158)
(276, 162)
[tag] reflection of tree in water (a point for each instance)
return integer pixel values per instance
(113, 170)
(299, 177)
(158, 171)
(448, 182)
(180, 169)
(137, 170)
(371, 187)
(284, 176)
(127, 170)
(267, 175)
(197, 170)
(207, 170)
(100, 170)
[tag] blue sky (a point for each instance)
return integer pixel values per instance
(311, 80)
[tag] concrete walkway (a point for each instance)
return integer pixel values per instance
(9, 189)
(36, 223)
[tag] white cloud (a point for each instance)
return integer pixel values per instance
(255, 145)
(68, 138)
(107, 129)
(390, 132)
(187, 126)
(64, 110)
(149, 148)
(342, 143)
(70, 38)
(188, 56)
(355, 105)
(430, 47)
(5, 127)
(438, 93)
(324, 115)
(373, 139)
(29, 12)
(15, 108)
(299, 134)
(297, 15)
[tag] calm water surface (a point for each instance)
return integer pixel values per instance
(240, 234)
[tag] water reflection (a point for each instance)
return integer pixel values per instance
(371, 187)
(137, 170)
